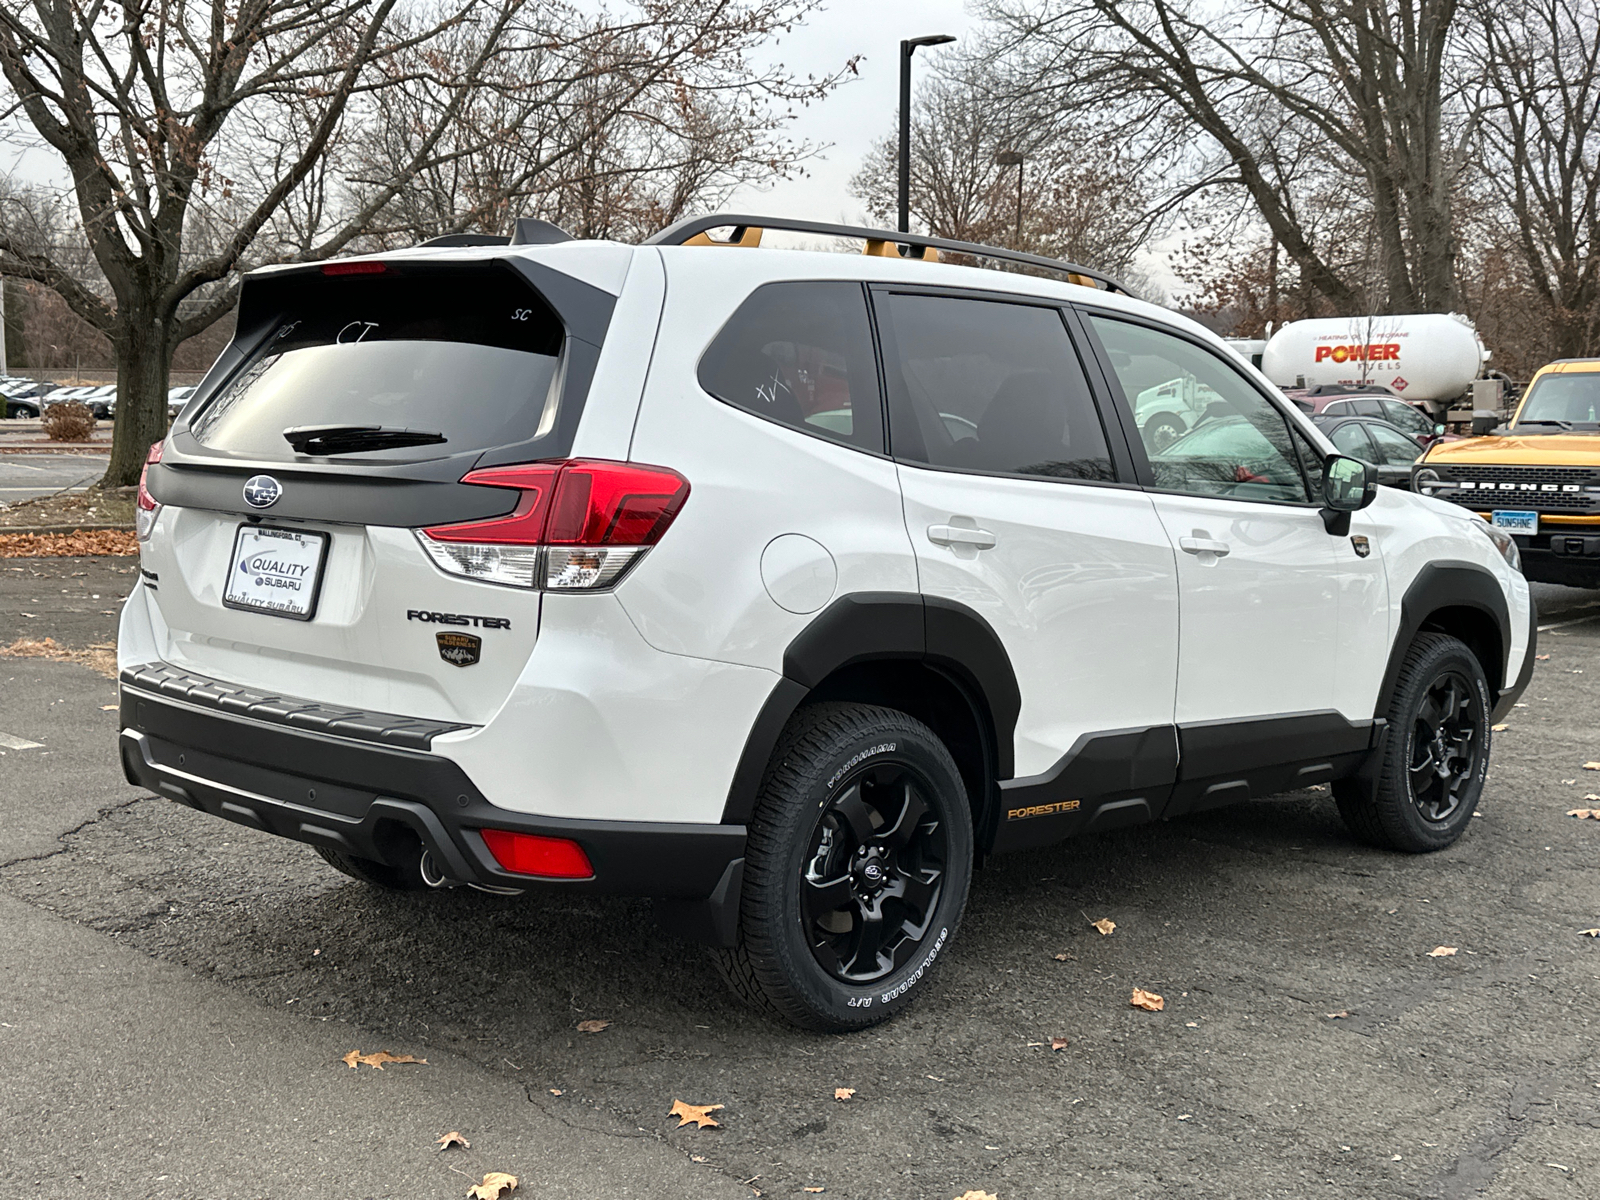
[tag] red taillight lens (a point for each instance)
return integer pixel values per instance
(355, 268)
(531, 854)
(579, 525)
(145, 500)
(524, 525)
(614, 504)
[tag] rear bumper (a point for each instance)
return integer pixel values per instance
(388, 803)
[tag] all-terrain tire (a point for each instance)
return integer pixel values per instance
(374, 874)
(837, 769)
(1410, 806)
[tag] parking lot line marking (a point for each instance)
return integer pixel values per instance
(12, 742)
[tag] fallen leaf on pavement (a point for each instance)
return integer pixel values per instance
(813, 1189)
(1105, 925)
(554, 1091)
(592, 1026)
(81, 543)
(495, 1184)
(445, 1140)
(698, 1158)
(1591, 766)
(1340, 1015)
(1584, 814)
(376, 1061)
(1442, 952)
(1594, 933)
(1062, 957)
(1058, 1043)
(698, 1113)
(1499, 728)
(843, 1093)
(1540, 657)
(1148, 1001)
(977, 1196)
(108, 708)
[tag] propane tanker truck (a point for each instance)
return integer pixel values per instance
(1427, 357)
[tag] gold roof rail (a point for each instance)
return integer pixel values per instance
(694, 231)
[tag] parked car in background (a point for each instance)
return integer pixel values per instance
(21, 396)
(176, 398)
(1538, 477)
(1390, 449)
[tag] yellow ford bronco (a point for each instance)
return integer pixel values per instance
(1537, 478)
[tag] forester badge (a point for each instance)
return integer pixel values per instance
(460, 649)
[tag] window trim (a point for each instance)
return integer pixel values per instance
(1124, 408)
(809, 431)
(1122, 465)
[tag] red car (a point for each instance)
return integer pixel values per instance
(1368, 400)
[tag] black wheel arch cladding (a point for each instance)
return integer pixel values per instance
(887, 627)
(1464, 600)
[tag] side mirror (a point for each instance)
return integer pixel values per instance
(1348, 485)
(1484, 423)
(1438, 428)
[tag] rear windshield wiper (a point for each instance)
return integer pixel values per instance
(354, 439)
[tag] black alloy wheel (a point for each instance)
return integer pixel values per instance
(873, 875)
(1420, 794)
(857, 861)
(1444, 746)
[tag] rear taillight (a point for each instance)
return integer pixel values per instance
(144, 516)
(578, 526)
(531, 854)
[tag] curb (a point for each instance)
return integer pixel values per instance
(6, 530)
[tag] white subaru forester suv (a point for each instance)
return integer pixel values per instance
(779, 586)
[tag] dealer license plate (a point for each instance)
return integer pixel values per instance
(1515, 520)
(275, 571)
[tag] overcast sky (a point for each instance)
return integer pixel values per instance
(860, 112)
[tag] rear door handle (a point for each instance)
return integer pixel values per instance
(1194, 545)
(960, 535)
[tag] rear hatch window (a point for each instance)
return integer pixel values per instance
(393, 368)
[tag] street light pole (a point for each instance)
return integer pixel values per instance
(907, 49)
(1014, 158)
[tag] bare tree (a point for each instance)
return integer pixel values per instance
(1542, 153)
(201, 136)
(1286, 95)
(1075, 194)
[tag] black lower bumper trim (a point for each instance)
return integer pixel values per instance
(387, 804)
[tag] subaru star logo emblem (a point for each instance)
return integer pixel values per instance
(262, 491)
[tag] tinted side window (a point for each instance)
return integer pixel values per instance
(987, 386)
(1351, 439)
(1230, 440)
(1367, 408)
(801, 354)
(1398, 412)
(1393, 446)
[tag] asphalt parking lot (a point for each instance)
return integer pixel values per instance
(176, 995)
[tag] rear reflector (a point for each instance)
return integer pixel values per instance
(355, 268)
(530, 854)
(578, 525)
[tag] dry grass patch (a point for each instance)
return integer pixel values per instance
(101, 657)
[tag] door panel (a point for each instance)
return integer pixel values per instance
(996, 435)
(1078, 583)
(1258, 627)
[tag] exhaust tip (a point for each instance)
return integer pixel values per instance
(431, 875)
